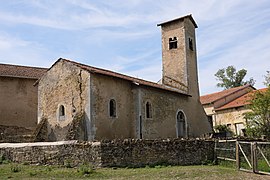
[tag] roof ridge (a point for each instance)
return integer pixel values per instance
(246, 95)
(122, 76)
(15, 65)
(107, 70)
(213, 97)
(242, 87)
(225, 90)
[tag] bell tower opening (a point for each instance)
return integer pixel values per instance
(173, 43)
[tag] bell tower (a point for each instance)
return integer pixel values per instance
(179, 55)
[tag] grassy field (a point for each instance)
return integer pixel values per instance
(19, 171)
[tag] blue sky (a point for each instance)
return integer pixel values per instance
(121, 35)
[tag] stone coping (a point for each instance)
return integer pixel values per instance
(17, 145)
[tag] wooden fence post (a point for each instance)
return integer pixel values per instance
(237, 154)
(254, 157)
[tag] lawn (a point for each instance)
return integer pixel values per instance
(19, 171)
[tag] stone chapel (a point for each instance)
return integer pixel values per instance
(82, 102)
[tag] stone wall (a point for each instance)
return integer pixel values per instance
(15, 134)
(119, 153)
(52, 153)
(137, 153)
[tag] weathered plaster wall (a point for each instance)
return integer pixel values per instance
(119, 153)
(131, 102)
(19, 100)
(165, 106)
(67, 85)
(105, 88)
(199, 120)
(164, 110)
(231, 116)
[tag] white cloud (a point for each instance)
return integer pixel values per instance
(18, 51)
(116, 34)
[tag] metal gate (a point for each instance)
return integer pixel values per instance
(248, 156)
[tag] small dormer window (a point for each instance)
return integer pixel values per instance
(190, 44)
(173, 43)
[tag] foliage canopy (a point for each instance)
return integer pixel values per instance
(267, 79)
(258, 120)
(230, 78)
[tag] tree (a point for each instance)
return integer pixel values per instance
(267, 79)
(230, 78)
(258, 120)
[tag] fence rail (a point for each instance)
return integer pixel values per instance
(247, 156)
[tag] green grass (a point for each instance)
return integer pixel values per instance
(263, 166)
(21, 171)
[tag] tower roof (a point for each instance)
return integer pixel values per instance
(180, 18)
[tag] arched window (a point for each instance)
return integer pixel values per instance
(112, 108)
(62, 112)
(181, 124)
(148, 109)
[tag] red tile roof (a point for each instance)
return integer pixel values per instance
(210, 98)
(122, 76)
(8, 70)
(241, 101)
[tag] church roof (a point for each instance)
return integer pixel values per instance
(241, 101)
(180, 18)
(8, 70)
(134, 80)
(211, 98)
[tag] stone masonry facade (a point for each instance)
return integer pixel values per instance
(113, 153)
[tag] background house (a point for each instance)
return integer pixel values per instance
(227, 107)
(18, 97)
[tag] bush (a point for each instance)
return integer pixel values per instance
(86, 169)
(222, 128)
(15, 168)
(3, 160)
(68, 163)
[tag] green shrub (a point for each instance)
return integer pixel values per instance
(3, 160)
(222, 128)
(68, 163)
(15, 168)
(86, 169)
